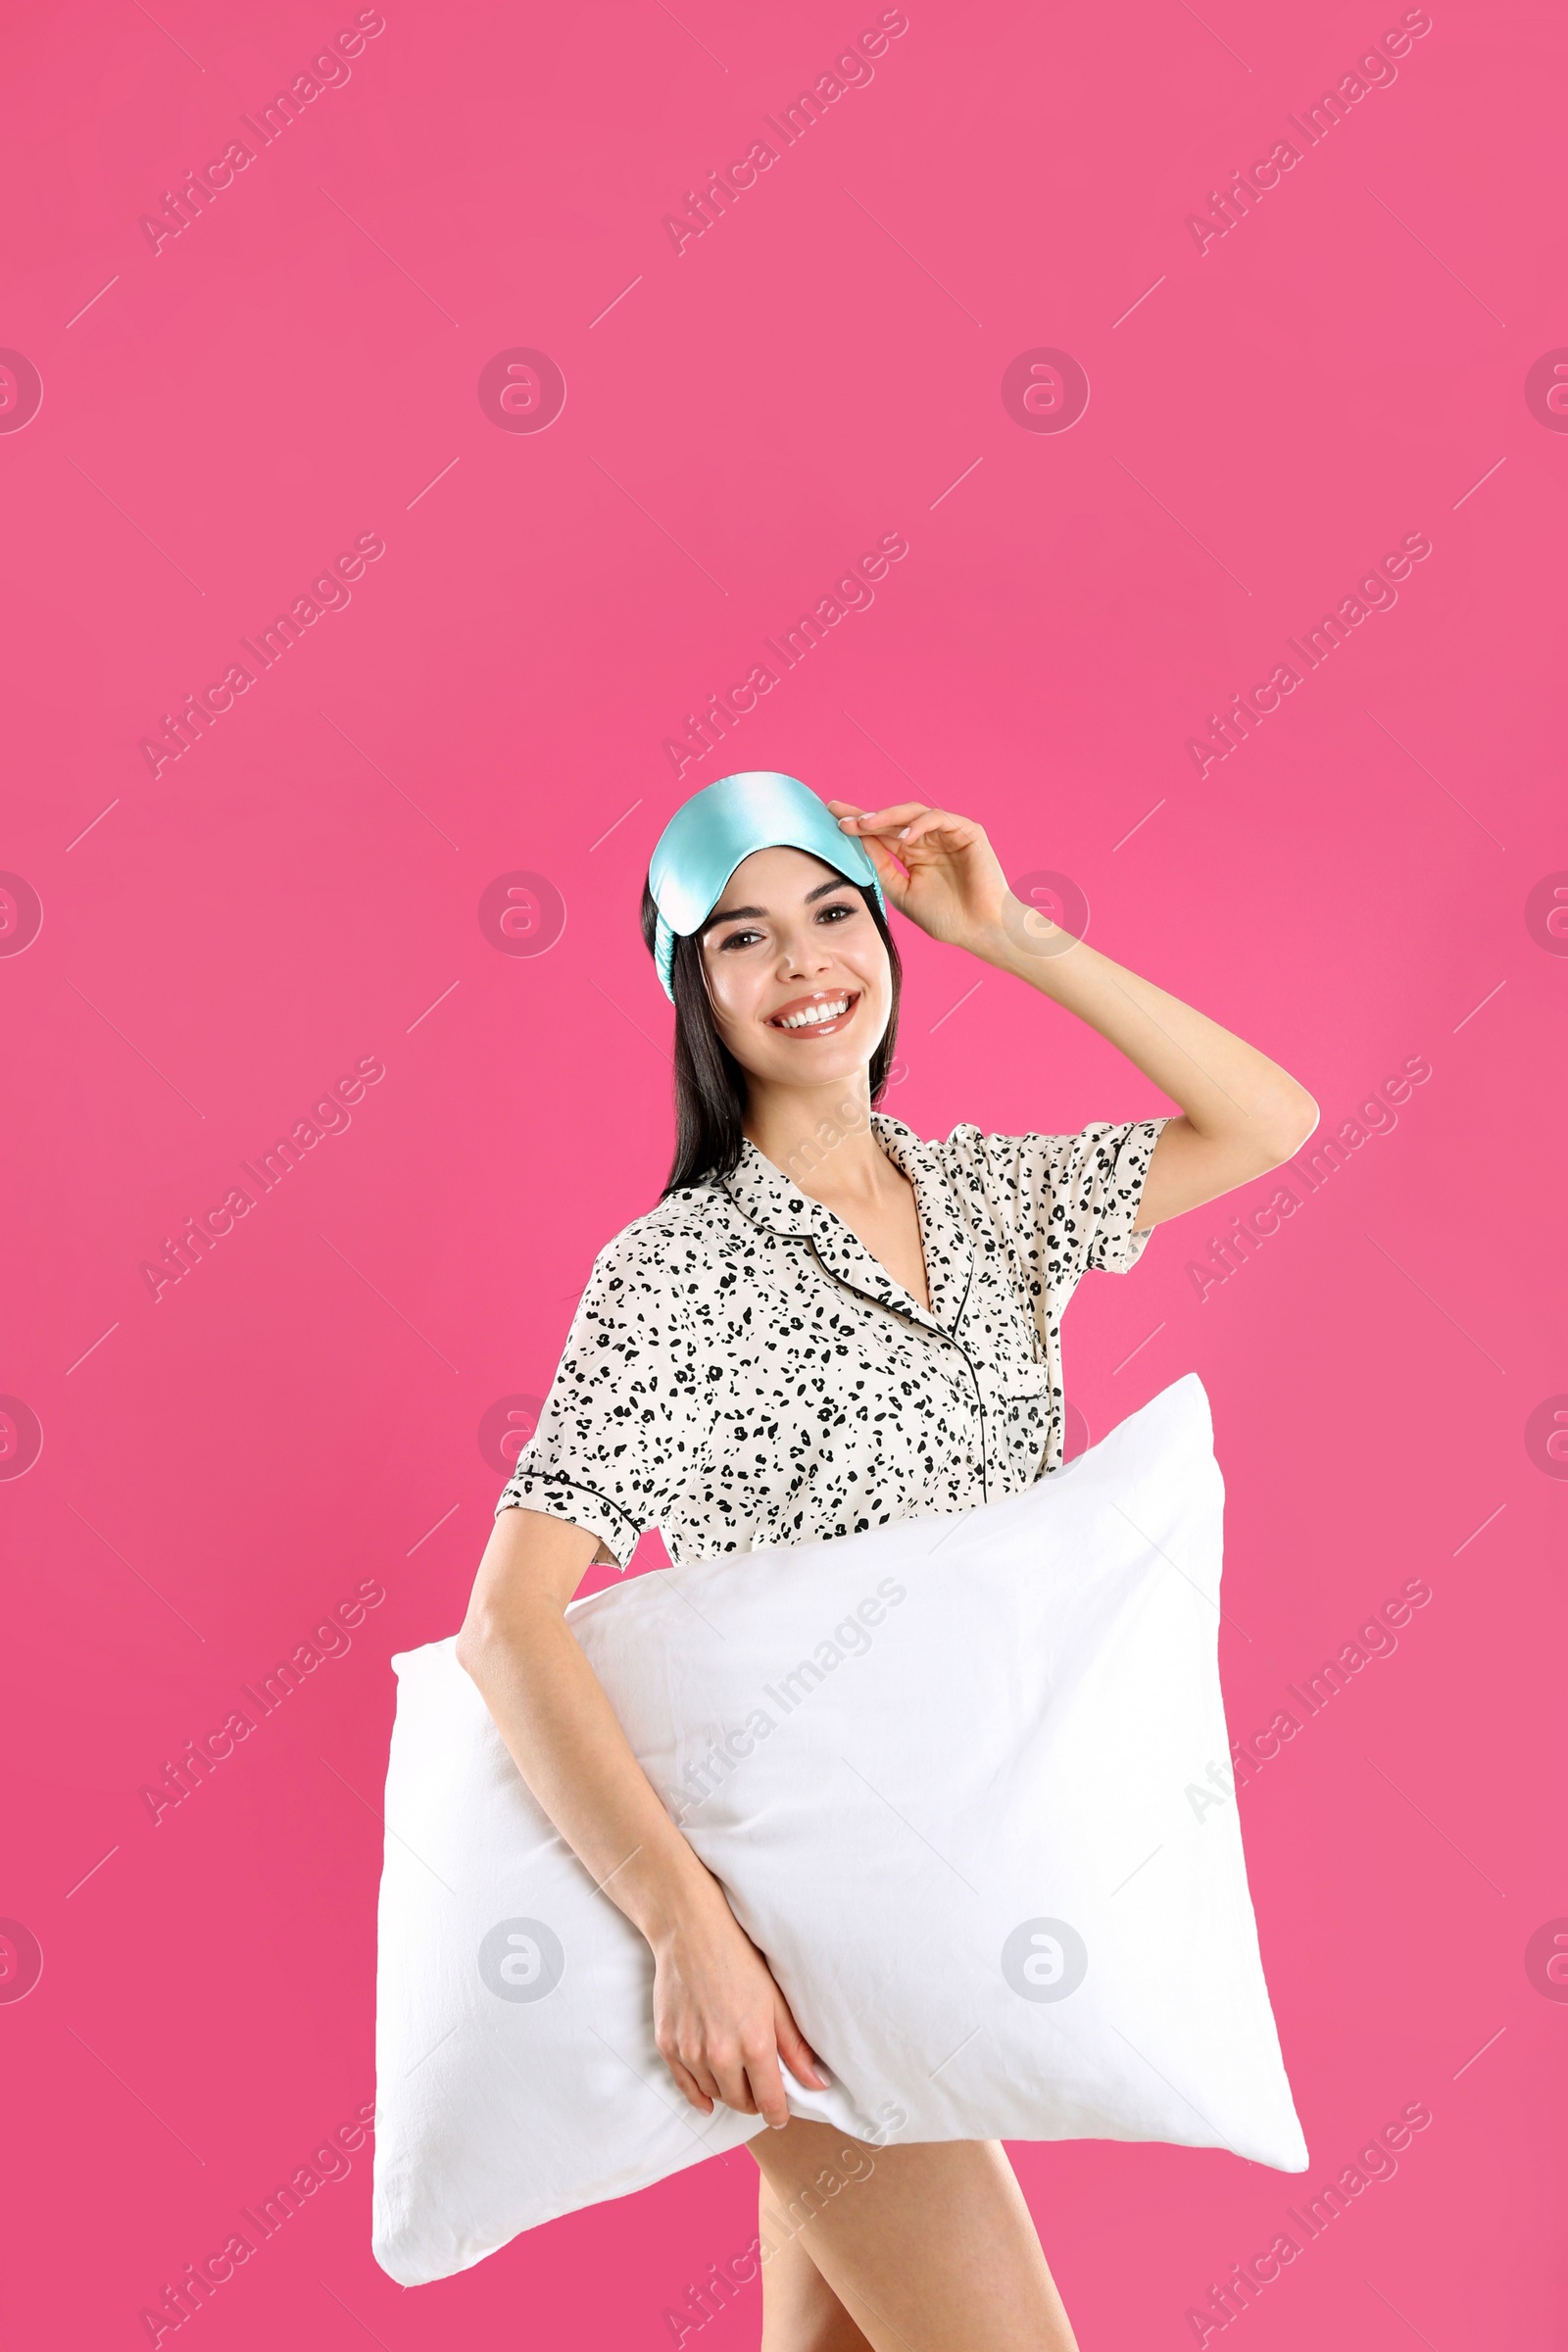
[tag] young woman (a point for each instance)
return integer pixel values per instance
(776, 1357)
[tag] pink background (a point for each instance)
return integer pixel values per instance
(224, 939)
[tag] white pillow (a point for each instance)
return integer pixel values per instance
(945, 1771)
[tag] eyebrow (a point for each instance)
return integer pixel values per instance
(732, 914)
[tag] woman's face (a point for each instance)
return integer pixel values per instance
(797, 971)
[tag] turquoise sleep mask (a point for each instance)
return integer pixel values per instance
(711, 834)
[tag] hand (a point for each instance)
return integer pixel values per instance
(949, 881)
(720, 2022)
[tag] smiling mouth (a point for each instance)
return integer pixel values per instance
(816, 1016)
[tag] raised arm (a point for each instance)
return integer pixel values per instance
(720, 2020)
(1241, 1115)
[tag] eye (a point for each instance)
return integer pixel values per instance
(837, 906)
(737, 939)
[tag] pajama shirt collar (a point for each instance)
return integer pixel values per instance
(774, 1201)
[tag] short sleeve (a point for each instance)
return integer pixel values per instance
(616, 1437)
(1073, 1200)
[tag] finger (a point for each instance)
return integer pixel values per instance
(768, 2088)
(936, 821)
(888, 820)
(698, 2064)
(889, 873)
(797, 2052)
(733, 2087)
(690, 2089)
(851, 819)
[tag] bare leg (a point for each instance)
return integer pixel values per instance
(801, 2313)
(927, 2248)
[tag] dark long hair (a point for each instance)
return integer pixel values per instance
(710, 1082)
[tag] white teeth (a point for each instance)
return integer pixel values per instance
(814, 1014)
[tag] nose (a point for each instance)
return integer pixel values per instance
(803, 949)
